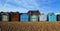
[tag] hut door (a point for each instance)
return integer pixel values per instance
(43, 18)
(4, 18)
(58, 18)
(52, 18)
(24, 18)
(34, 18)
(14, 17)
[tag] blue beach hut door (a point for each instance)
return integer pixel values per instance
(24, 18)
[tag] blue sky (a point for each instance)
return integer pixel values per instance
(23, 6)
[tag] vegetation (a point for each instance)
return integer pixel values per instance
(30, 26)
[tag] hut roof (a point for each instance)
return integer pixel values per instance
(14, 12)
(51, 13)
(22, 13)
(4, 13)
(58, 14)
(34, 12)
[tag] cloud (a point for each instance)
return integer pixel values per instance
(19, 5)
(28, 4)
(57, 13)
(48, 1)
(9, 8)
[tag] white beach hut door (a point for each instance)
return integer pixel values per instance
(43, 17)
(4, 18)
(33, 18)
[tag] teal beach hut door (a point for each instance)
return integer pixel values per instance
(52, 17)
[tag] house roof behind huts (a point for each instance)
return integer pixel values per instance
(33, 12)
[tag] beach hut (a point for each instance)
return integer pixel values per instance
(34, 15)
(23, 17)
(5, 16)
(14, 16)
(42, 17)
(0, 17)
(52, 17)
(0, 28)
(58, 17)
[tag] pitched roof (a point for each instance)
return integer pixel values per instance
(34, 12)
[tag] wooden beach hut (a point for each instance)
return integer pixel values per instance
(58, 17)
(5, 16)
(52, 17)
(34, 15)
(0, 17)
(14, 16)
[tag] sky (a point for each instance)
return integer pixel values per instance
(23, 6)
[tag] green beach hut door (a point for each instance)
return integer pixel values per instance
(34, 18)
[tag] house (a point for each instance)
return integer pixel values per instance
(51, 17)
(42, 17)
(34, 15)
(58, 17)
(23, 17)
(14, 16)
(5, 16)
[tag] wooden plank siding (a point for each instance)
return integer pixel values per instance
(14, 16)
